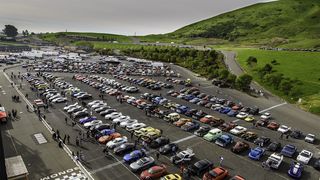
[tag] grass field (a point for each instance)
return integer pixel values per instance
(304, 66)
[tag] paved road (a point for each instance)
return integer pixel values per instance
(45, 160)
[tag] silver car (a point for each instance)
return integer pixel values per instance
(142, 164)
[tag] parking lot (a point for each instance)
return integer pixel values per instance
(114, 167)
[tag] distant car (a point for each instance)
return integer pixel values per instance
(274, 160)
(249, 118)
(189, 126)
(224, 140)
(200, 167)
(242, 115)
(237, 177)
(123, 148)
(227, 126)
(106, 138)
(256, 153)
(113, 115)
(133, 156)
(265, 115)
(183, 156)
(171, 177)
(142, 164)
(304, 156)
(238, 130)
(274, 146)
(284, 129)
(155, 172)
(296, 134)
(202, 131)
(159, 142)
(262, 141)
(59, 100)
(295, 170)
(273, 125)
(87, 119)
(232, 113)
(240, 146)
(181, 122)
(288, 150)
(135, 126)
(310, 138)
(316, 164)
(217, 173)
(249, 136)
(117, 142)
(92, 123)
(168, 148)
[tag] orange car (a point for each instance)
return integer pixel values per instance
(273, 125)
(181, 122)
(217, 173)
(105, 139)
(208, 119)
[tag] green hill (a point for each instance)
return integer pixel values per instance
(287, 23)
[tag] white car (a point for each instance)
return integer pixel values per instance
(274, 160)
(284, 129)
(304, 156)
(74, 108)
(242, 115)
(59, 100)
(113, 115)
(238, 130)
(120, 119)
(66, 108)
(98, 105)
(117, 142)
(265, 116)
(128, 123)
(135, 126)
(94, 102)
(92, 123)
(310, 138)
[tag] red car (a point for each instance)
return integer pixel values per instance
(217, 173)
(227, 126)
(154, 172)
(273, 125)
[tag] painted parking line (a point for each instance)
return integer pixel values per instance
(272, 107)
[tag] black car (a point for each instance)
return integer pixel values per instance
(200, 167)
(100, 127)
(296, 134)
(160, 141)
(80, 114)
(200, 114)
(168, 148)
(123, 148)
(191, 112)
(203, 130)
(262, 141)
(316, 164)
(254, 111)
(85, 97)
(108, 111)
(274, 146)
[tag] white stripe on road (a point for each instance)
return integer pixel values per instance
(272, 107)
(184, 139)
(234, 121)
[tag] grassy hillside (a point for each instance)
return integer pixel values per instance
(75, 36)
(294, 65)
(286, 23)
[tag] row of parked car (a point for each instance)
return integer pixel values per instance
(145, 82)
(140, 129)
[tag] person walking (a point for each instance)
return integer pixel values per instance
(68, 139)
(131, 134)
(77, 141)
(287, 136)
(64, 139)
(281, 136)
(66, 120)
(157, 155)
(221, 160)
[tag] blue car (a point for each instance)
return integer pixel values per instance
(195, 100)
(256, 153)
(224, 140)
(134, 156)
(288, 150)
(295, 170)
(182, 109)
(87, 119)
(232, 113)
(105, 132)
(225, 110)
(189, 97)
(189, 126)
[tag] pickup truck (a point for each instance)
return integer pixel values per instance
(183, 156)
(274, 160)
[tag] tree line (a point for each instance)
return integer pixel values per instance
(208, 63)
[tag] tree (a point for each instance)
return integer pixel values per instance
(223, 74)
(231, 79)
(285, 86)
(10, 31)
(243, 82)
(274, 79)
(251, 60)
(267, 68)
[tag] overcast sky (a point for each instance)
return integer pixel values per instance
(112, 16)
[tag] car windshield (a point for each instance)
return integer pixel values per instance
(180, 155)
(153, 171)
(305, 154)
(213, 174)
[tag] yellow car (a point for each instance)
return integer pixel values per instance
(171, 177)
(151, 136)
(143, 131)
(249, 118)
